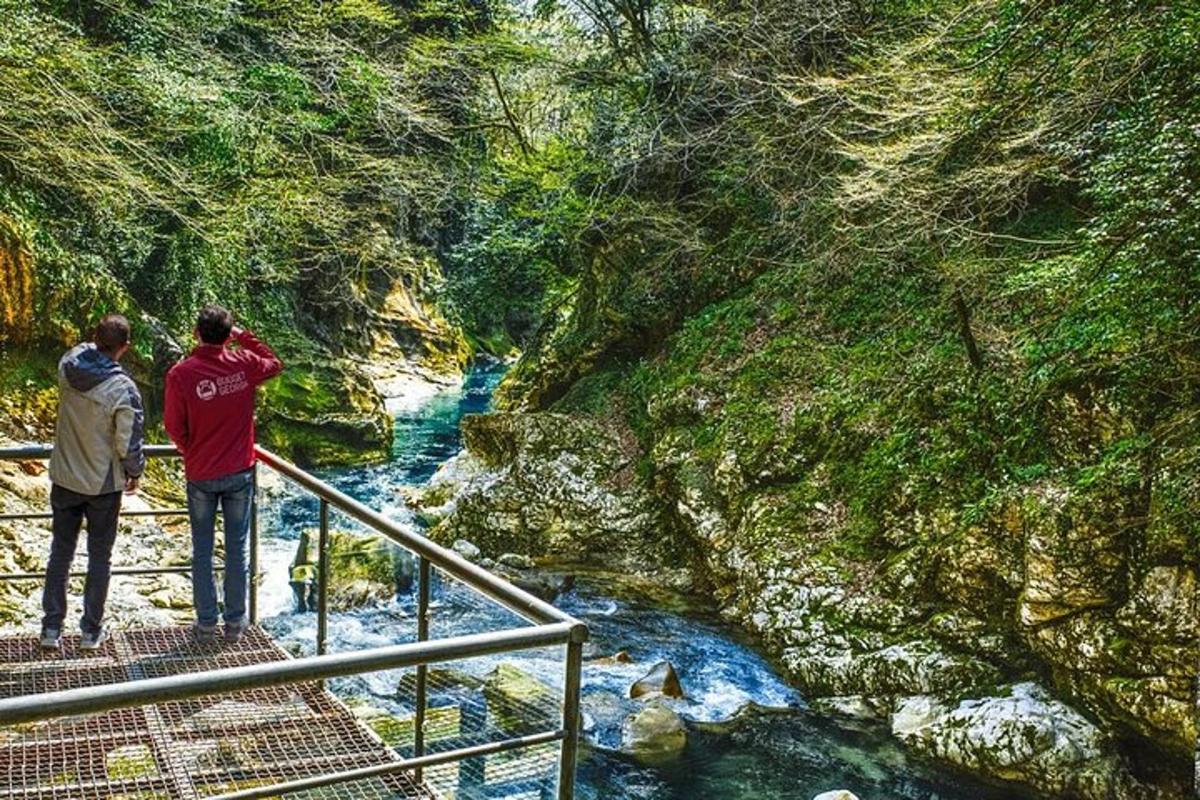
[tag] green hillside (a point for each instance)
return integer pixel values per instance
(893, 302)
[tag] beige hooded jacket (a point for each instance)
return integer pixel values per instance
(99, 436)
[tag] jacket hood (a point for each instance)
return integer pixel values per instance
(85, 368)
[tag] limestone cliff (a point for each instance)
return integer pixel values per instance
(948, 632)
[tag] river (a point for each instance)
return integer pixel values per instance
(776, 748)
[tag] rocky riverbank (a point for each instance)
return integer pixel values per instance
(1032, 645)
(134, 601)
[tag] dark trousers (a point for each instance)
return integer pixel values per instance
(70, 509)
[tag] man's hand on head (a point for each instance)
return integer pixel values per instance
(131, 485)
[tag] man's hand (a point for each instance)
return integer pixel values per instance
(131, 485)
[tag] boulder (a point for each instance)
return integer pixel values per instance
(619, 657)
(551, 485)
(1024, 735)
(655, 733)
(837, 794)
(660, 680)
(517, 702)
(466, 549)
(546, 585)
(827, 666)
(515, 561)
(362, 569)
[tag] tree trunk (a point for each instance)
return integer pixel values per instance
(964, 330)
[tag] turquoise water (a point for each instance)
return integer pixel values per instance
(751, 736)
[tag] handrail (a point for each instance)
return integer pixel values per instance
(43, 451)
(552, 626)
(108, 697)
(512, 597)
(503, 592)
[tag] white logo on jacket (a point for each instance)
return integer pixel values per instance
(206, 390)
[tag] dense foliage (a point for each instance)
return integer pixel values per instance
(287, 158)
(945, 249)
(931, 267)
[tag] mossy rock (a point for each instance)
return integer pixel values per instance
(442, 722)
(517, 701)
(362, 569)
(654, 734)
(320, 414)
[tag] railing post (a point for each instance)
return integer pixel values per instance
(570, 743)
(323, 578)
(254, 547)
(424, 575)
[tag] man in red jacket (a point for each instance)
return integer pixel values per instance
(209, 416)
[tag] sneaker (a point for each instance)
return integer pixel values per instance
(92, 641)
(51, 639)
(204, 634)
(233, 633)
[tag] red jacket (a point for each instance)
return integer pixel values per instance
(209, 411)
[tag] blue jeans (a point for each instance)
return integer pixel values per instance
(235, 494)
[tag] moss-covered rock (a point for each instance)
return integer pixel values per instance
(1022, 735)
(517, 702)
(1073, 560)
(324, 413)
(363, 569)
(654, 734)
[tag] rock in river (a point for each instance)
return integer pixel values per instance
(515, 561)
(517, 701)
(654, 733)
(1025, 735)
(466, 549)
(660, 680)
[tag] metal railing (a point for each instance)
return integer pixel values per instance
(550, 626)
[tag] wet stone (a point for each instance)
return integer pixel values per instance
(660, 680)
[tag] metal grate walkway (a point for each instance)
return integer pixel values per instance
(182, 750)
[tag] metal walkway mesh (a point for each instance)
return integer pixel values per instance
(193, 749)
(185, 749)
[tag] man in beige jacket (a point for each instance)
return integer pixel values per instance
(97, 454)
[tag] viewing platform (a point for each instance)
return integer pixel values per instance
(154, 715)
(208, 747)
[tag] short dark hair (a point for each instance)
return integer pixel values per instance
(112, 333)
(214, 324)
